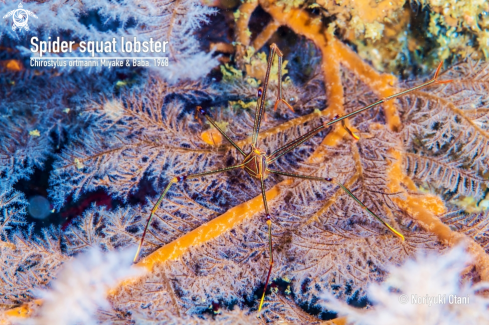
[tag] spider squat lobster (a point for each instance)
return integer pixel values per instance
(256, 162)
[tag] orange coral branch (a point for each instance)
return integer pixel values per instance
(335, 52)
(209, 230)
(337, 321)
(425, 208)
(301, 23)
(222, 47)
(265, 35)
(381, 84)
(242, 35)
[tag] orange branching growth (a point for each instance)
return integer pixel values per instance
(222, 47)
(209, 230)
(337, 321)
(265, 35)
(425, 208)
(335, 53)
(242, 35)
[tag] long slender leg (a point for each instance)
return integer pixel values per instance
(167, 188)
(394, 231)
(433, 81)
(262, 92)
(294, 143)
(269, 223)
(260, 107)
(280, 98)
(211, 121)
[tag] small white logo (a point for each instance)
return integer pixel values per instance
(20, 17)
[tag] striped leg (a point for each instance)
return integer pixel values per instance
(262, 95)
(294, 143)
(433, 81)
(269, 223)
(167, 188)
(262, 92)
(280, 97)
(211, 121)
(297, 142)
(394, 231)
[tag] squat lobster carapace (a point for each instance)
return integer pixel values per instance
(256, 163)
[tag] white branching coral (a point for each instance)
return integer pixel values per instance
(37, 117)
(27, 262)
(447, 131)
(12, 208)
(20, 151)
(428, 290)
(80, 289)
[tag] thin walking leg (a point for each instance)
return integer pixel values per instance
(280, 97)
(433, 81)
(269, 223)
(394, 231)
(211, 121)
(294, 143)
(262, 92)
(167, 188)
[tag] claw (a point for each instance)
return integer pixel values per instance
(438, 69)
(285, 102)
(437, 72)
(439, 82)
(356, 137)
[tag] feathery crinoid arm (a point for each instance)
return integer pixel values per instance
(138, 134)
(446, 132)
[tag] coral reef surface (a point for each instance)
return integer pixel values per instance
(85, 154)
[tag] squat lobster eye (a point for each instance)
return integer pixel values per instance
(201, 110)
(260, 92)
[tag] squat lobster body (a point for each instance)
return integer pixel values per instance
(256, 163)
